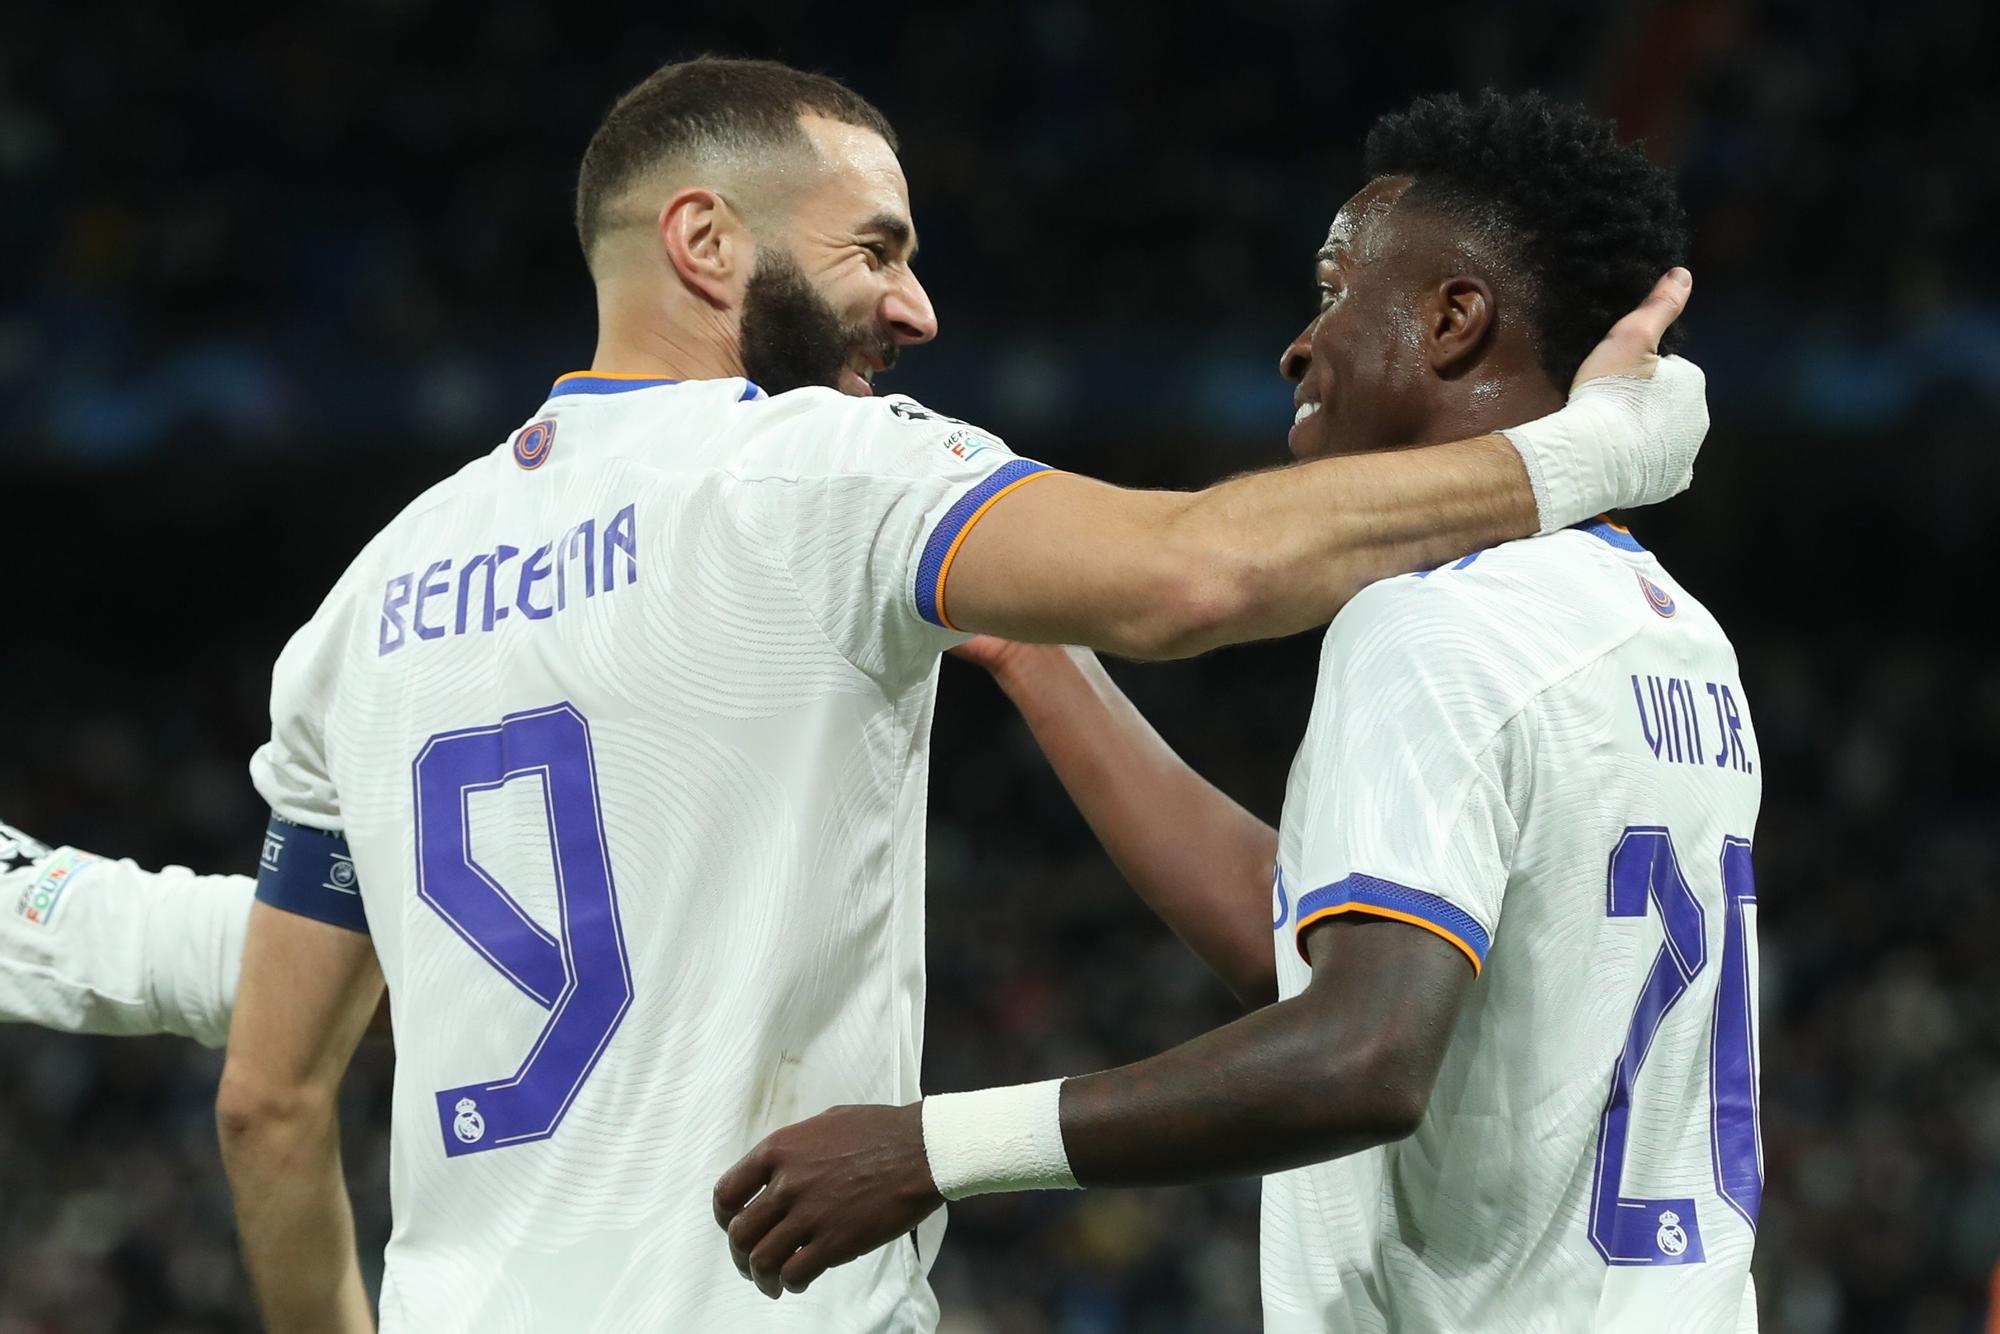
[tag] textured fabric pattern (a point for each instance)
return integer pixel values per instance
(719, 587)
(95, 946)
(1476, 738)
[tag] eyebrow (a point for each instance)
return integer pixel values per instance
(896, 230)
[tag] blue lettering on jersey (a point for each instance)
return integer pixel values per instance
(582, 562)
(1670, 722)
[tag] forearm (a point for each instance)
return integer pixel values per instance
(1318, 534)
(1196, 857)
(308, 990)
(1345, 1065)
(1273, 1091)
(1286, 550)
(293, 1215)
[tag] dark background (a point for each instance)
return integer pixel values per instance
(268, 272)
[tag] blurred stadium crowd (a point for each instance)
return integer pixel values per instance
(272, 272)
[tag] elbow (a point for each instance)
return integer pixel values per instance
(1377, 1095)
(1397, 1112)
(1254, 981)
(249, 1109)
(1392, 1098)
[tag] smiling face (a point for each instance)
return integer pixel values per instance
(1360, 368)
(833, 297)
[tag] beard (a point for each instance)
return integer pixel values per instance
(792, 338)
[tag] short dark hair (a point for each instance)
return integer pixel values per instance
(707, 103)
(1587, 222)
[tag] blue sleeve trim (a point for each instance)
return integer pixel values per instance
(1386, 898)
(1616, 534)
(310, 872)
(942, 544)
(1458, 564)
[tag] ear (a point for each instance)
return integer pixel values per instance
(708, 245)
(1459, 318)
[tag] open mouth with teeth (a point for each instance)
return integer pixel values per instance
(857, 377)
(1296, 439)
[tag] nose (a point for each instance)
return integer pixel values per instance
(1292, 365)
(907, 310)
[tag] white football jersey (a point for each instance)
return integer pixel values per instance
(627, 727)
(91, 945)
(1543, 754)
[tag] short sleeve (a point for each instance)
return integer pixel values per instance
(1415, 746)
(291, 770)
(870, 544)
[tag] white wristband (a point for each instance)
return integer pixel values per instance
(1620, 442)
(996, 1140)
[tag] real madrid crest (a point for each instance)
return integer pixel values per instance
(1672, 1238)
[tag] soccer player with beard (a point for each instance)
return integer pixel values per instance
(1509, 1080)
(609, 753)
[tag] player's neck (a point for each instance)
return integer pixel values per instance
(696, 343)
(1483, 403)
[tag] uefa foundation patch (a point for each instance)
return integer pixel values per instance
(967, 444)
(44, 894)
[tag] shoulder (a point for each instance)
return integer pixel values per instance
(364, 572)
(818, 432)
(1502, 624)
(347, 607)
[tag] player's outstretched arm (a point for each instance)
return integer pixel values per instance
(92, 945)
(1161, 574)
(1195, 856)
(1345, 1065)
(308, 992)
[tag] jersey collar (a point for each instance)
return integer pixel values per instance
(1617, 534)
(602, 382)
(596, 382)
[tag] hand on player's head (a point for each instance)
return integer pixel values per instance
(1633, 345)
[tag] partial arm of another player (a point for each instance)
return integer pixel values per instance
(1345, 1065)
(1165, 574)
(112, 948)
(1195, 856)
(92, 945)
(309, 991)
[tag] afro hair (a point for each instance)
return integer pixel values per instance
(1586, 223)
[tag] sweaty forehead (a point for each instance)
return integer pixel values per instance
(1359, 229)
(860, 173)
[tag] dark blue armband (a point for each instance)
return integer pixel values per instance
(310, 872)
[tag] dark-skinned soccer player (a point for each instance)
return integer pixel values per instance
(1509, 1078)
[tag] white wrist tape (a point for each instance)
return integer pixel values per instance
(1620, 442)
(996, 1140)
